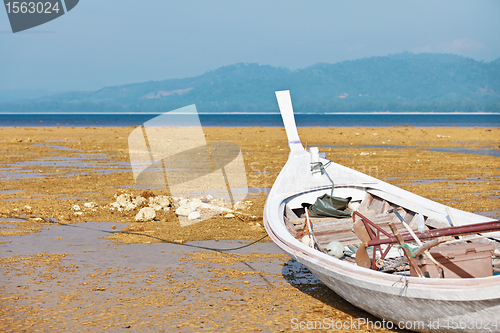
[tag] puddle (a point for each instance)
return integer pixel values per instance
(436, 180)
(82, 163)
(490, 151)
(85, 244)
(62, 269)
(10, 191)
(15, 199)
(55, 147)
(494, 214)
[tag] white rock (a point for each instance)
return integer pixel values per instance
(90, 204)
(130, 206)
(214, 209)
(155, 206)
(114, 205)
(182, 201)
(229, 215)
(145, 214)
(27, 207)
(188, 207)
(207, 199)
(240, 206)
(138, 200)
(123, 199)
(76, 208)
(194, 216)
(78, 213)
(163, 201)
(219, 202)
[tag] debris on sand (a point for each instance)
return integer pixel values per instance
(145, 214)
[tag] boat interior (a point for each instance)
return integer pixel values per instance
(452, 257)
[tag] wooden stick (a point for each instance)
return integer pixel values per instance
(419, 242)
(427, 245)
(407, 252)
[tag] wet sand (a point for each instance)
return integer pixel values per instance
(85, 279)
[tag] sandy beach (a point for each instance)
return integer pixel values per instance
(61, 278)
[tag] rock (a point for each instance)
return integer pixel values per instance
(130, 206)
(161, 200)
(219, 202)
(145, 214)
(76, 208)
(189, 206)
(28, 208)
(240, 205)
(123, 199)
(181, 201)
(155, 206)
(78, 213)
(214, 209)
(194, 216)
(139, 200)
(114, 205)
(90, 204)
(229, 215)
(207, 199)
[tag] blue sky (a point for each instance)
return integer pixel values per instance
(104, 43)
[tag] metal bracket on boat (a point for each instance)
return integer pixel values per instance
(362, 229)
(317, 168)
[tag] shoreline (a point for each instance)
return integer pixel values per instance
(272, 120)
(256, 113)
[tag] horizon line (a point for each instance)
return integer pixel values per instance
(253, 113)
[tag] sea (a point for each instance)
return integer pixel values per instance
(488, 120)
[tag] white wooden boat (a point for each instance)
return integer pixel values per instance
(417, 303)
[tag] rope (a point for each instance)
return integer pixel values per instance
(409, 248)
(139, 234)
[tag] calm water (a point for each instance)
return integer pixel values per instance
(267, 120)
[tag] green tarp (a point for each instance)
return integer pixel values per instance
(328, 206)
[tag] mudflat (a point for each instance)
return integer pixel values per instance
(46, 172)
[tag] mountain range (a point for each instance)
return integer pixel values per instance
(403, 82)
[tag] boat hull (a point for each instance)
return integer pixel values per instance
(416, 314)
(418, 304)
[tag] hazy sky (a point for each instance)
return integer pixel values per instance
(111, 42)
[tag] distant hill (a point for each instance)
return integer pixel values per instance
(402, 82)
